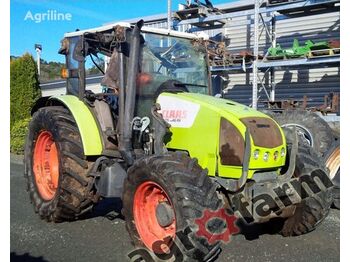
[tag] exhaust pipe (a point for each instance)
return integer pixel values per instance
(121, 98)
(130, 94)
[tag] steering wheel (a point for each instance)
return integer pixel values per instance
(171, 86)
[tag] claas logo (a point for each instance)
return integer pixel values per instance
(174, 115)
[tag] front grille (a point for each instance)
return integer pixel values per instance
(264, 131)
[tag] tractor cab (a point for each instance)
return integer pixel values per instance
(167, 61)
(148, 66)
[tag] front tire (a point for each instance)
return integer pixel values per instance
(179, 184)
(313, 209)
(55, 168)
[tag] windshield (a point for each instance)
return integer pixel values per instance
(171, 58)
(169, 63)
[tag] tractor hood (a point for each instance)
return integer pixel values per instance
(213, 130)
(221, 106)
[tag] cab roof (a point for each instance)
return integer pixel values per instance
(145, 29)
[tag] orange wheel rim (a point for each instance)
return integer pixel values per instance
(147, 197)
(46, 165)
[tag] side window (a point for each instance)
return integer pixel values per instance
(72, 65)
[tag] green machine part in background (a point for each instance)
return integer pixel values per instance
(296, 50)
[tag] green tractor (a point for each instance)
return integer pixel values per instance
(158, 140)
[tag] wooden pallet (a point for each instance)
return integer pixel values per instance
(190, 13)
(281, 2)
(199, 12)
(284, 57)
(230, 59)
(323, 52)
(229, 62)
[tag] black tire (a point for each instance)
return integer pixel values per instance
(312, 210)
(72, 196)
(332, 160)
(312, 129)
(190, 190)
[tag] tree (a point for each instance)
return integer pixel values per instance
(24, 91)
(24, 87)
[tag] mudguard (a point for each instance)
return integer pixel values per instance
(88, 129)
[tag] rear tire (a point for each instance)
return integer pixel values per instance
(70, 196)
(190, 192)
(312, 210)
(311, 128)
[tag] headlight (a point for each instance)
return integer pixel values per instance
(266, 156)
(283, 152)
(256, 154)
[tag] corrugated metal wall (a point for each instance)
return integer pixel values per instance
(316, 27)
(290, 83)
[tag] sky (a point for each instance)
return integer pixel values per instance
(29, 25)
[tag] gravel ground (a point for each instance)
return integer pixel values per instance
(103, 237)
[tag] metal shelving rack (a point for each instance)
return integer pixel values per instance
(261, 65)
(295, 63)
(268, 67)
